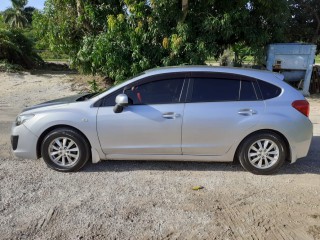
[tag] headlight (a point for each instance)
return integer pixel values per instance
(23, 118)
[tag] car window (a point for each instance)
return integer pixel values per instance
(212, 90)
(247, 91)
(110, 100)
(156, 92)
(269, 90)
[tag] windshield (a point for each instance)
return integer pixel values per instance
(92, 95)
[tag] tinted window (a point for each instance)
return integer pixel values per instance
(269, 90)
(157, 92)
(247, 92)
(110, 100)
(211, 90)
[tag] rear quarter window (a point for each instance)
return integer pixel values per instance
(269, 90)
(247, 91)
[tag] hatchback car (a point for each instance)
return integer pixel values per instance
(191, 113)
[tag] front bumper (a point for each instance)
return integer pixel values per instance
(24, 142)
(14, 142)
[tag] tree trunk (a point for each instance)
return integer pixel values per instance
(185, 6)
(79, 8)
(81, 16)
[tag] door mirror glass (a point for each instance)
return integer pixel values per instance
(117, 108)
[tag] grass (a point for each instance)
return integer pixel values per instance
(50, 56)
(62, 60)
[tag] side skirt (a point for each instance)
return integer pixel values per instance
(200, 158)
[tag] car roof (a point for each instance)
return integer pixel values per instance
(260, 74)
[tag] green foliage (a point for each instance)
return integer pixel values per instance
(17, 38)
(241, 52)
(304, 24)
(122, 38)
(2, 24)
(94, 86)
(8, 67)
(16, 48)
(18, 16)
(48, 55)
(28, 12)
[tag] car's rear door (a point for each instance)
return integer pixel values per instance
(151, 124)
(220, 108)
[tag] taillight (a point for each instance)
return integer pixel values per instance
(302, 106)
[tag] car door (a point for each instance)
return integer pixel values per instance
(151, 124)
(220, 108)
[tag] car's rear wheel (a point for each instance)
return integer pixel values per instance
(262, 153)
(65, 150)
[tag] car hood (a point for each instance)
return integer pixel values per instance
(65, 100)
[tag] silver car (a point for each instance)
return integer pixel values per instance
(191, 113)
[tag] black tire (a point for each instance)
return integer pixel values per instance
(65, 150)
(262, 161)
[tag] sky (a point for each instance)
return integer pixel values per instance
(4, 4)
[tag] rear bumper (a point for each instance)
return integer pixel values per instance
(300, 140)
(24, 142)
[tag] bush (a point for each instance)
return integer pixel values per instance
(7, 67)
(17, 49)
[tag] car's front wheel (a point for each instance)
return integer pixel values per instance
(262, 153)
(65, 150)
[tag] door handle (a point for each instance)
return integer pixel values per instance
(170, 115)
(247, 112)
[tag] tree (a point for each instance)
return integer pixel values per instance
(16, 48)
(122, 38)
(304, 24)
(2, 24)
(17, 16)
(28, 11)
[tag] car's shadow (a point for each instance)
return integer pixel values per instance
(310, 164)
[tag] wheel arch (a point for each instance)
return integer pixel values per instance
(287, 145)
(50, 129)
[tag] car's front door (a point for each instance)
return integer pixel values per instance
(219, 110)
(151, 124)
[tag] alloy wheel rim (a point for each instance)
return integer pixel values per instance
(263, 153)
(63, 151)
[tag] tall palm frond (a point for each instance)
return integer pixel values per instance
(16, 16)
(19, 4)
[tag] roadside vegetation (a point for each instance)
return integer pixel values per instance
(17, 49)
(118, 39)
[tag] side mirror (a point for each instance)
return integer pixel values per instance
(121, 102)
(117, 109)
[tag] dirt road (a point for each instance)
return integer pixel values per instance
(143, 200)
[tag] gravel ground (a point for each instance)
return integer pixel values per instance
(148, 200)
